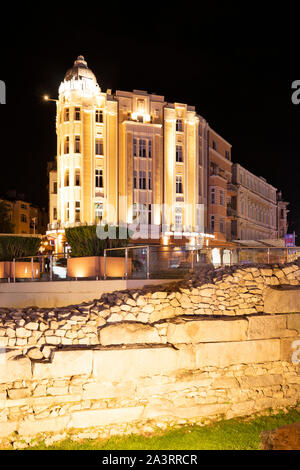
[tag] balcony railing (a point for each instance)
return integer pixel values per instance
(147, 262)
(231, 212)
(232, 187)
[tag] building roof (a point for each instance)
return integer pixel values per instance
(80, 70)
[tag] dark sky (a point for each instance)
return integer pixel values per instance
(236, 64)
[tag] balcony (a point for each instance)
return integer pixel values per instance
(232, 187)
(217, 172)
(231, 212)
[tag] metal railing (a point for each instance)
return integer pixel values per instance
(142, 262)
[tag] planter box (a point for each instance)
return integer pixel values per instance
(86, 266)
(23, 269)
(93, 266)
(4, 269)
(115, 266)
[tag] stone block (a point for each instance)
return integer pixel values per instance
(94, 391)
(128, 333)
(16, 393)
(239, 352)
(268, 326)
(65, 364)
(283, 300)
(7, 428)
(33, 427)
(293, 321)
(89, 418)
(198, 411)
(14, 367)
(129, 364)
(166, 312)
(225, 382)
(202, 331)
(290, 349)
(259, 381)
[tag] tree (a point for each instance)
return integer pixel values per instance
(6, 225)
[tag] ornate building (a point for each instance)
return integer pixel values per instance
(126, 155)
(133, 158)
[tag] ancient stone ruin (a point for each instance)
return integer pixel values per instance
(214, 346)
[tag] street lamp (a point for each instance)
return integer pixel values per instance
(46, 98)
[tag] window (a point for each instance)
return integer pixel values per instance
(134, 179)
(77, 143)
(54, 187)
(149, 214)
(178, 218)
(98, 178)
(23, 206)
(67, 145)
(242, 207)
(150, 148)
(67, 211)
(227, 155)
(222, 225)
(66, 114)
(77, 211)
(179, 187)
(23, 218)
(142, 180)
(149, 180)
(222, 198)
(67, 178)
(140, 106)
(99, 116)
(54, 213)
(179, 125)
(142, 148)
(77, 114)
(134, 147)
(99, 147)
(214, 145)
(179, 156)
(212, 196)
(212, 223)
(77, 177)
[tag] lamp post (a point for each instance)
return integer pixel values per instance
(46, 98)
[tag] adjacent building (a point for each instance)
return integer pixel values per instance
(24, 216)
(256, 211)
(134, 158)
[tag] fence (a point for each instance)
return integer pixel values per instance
(142, 262)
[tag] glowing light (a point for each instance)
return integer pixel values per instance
(146, 117)
(193, 241)
(165, 240)
(46, 97)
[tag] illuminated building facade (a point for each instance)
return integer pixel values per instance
(129, 157)
(126, 155)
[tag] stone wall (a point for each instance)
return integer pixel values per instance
(137, 360)
(230, 292)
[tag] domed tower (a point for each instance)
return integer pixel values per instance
(83, 127)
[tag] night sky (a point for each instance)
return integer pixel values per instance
(235, 64)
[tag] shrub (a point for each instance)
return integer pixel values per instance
(16, 247)
(84, 241)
